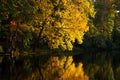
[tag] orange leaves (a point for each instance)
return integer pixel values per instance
(20, 32)
(14, 24)
(24, 26)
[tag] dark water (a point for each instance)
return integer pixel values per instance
(100, 65)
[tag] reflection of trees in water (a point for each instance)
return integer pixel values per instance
(100, 65)
(97, 65)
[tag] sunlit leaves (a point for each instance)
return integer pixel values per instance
(60, 22)
(65, 21)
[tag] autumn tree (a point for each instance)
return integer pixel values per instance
(59, 22)
(62, 22)
(14, 18)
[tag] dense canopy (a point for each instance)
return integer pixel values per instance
(58, 22)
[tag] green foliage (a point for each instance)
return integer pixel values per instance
(91, 70)
(1, 49)
(27, 69)
(117, 73)
(16, 14)
(106, 72)
(101, 28)
(93, 30)
(116, 32)
(17, 9)
(100, 72)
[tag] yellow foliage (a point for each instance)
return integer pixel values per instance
(63, 69)
(66, 21)
(112, 1)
